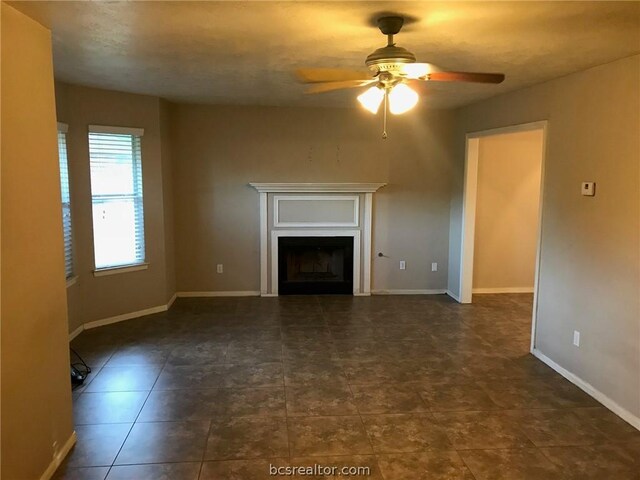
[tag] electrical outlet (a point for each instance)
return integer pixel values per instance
(403, 265)
(219, 268)
(588, 189)
(576, 338)
(434, 267)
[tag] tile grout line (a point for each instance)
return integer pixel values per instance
(359, 410)
(284, 389)
(466, 465)
(366, 432)
(136, 419)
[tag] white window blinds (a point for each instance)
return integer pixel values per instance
(66, 200)
(116, 193)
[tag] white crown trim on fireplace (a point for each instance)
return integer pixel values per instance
(316, 187)
(275, 234)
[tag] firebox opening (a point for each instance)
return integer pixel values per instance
(315, 265)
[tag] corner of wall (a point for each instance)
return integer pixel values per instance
(36, 407)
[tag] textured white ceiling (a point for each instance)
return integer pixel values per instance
(245, 52)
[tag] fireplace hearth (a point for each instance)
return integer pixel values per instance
(315, 265)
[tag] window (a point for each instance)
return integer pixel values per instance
(116, 195)
(66, 200)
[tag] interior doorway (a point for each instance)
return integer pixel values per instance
(502, 212)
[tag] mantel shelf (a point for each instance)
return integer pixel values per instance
(316, 187)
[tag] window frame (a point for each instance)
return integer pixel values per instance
(70, 276)
(129, 267)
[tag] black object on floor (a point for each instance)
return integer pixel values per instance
(79, 370)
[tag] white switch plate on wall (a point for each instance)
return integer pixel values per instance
(219, 268)
(403, 265)
(434, 267)
(576, 338)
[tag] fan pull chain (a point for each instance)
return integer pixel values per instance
(384, 117)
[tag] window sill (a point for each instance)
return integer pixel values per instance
(72, 280)
(102, 272)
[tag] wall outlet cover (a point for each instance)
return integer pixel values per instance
(588, 189)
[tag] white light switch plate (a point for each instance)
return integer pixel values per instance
(434, 267)
(576, 338)
(588, 189)
(403, 265)
(219, 268)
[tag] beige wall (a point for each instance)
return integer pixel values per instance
(590, 264)
(219, 150)
(36, 390)
(506, 233)
(167, 200)
(95, 298)
(208, 155)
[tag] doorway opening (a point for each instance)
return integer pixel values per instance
(502, 212)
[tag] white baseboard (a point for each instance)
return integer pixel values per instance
(121, 318)
(171, 300)
(503, 290)
(268, 294)
(435, 291)
(158, 309)
(228, 293)
(362, 294)
(125, 316)
(623, 413)
(76, 332)
(59, 457)
(454, 296)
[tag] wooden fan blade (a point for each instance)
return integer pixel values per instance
(330, 86)
(322, 75)
(465, 77)
(418, 70)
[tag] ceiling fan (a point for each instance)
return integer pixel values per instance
(391, 71)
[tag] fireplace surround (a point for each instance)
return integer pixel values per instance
(326, 211)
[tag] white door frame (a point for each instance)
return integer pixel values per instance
(469, 199)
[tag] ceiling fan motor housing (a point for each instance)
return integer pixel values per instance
(389, 59)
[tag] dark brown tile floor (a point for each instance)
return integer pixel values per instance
(409, 387)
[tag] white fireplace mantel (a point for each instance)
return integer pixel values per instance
(317, 187)
(269, 233)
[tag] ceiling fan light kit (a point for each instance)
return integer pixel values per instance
(402, 99)
(371, 98)
(390, 68)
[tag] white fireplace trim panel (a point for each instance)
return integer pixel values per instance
(279, 199)
(275, 234)
(331, 191)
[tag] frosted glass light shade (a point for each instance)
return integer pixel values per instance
(402, 99)
(371, 99)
